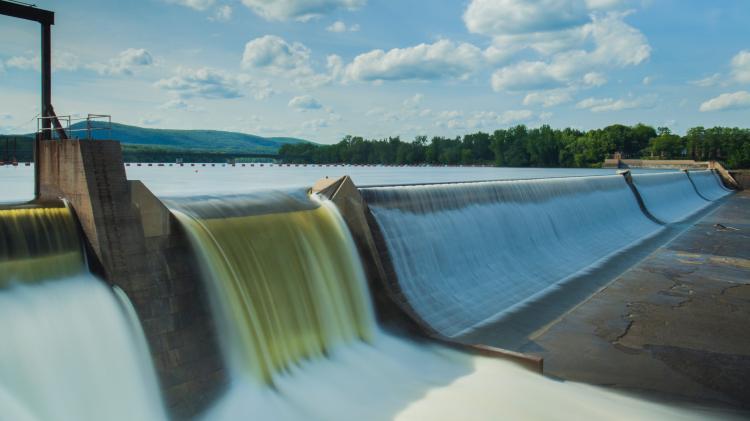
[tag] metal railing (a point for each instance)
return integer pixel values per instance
(94, 123)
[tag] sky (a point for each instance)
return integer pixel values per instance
(323, 69)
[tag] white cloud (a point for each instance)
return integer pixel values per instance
(339, 26)
(23, 62)
(616, 45)
(194, 4)
(301, 10)
(274, 54)
(647, 80)
(501, 17)
(547, 98)
(709, 81)
(599, 105)
(204, 83)
(304, 102)
(443, 59)
(730, 101)
(125, 63)
(222, 14)
(594, 79)
(741, 66)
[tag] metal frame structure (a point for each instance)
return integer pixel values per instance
(46, 19)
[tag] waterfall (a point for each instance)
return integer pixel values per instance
(38, 244)
(72, 348)
(466, 254)
(708, 184)
(670, 197)
(286, 282)
(291, 301)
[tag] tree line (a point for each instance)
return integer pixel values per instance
(521, 146)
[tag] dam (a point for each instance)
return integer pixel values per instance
(426, 301)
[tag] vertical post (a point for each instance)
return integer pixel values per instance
(46, 81)
(46, 100)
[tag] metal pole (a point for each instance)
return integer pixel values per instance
(46, 81)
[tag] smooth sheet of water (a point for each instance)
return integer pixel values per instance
(17, 183)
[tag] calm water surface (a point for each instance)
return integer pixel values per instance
(17, 183)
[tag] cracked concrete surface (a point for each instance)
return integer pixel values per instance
(674, 327)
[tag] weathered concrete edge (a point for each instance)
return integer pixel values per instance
(389, 300)
(133, 242)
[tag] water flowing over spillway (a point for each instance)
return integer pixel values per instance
(290, 296)
(670, 197)
(466, 254)
(72, 349)
(708, 184)
(37, 244)
(287, 285)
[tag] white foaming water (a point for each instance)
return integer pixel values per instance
(709, 185)
(69, 352)
(670, 197)
(466, 254)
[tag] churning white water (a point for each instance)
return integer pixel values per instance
(70, 352)
(708, 184)
(670, 197)
(465, 254)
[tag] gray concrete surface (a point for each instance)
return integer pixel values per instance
(676, 326)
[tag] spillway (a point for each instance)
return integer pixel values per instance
(708, 184)
(467, 254)
(72, 348)
(289, 294)
(670, 197)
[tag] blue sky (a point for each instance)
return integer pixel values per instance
(321, 69)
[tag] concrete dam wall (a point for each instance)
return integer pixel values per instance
(246, 302)
(469, 254)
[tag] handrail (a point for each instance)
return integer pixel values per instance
(94, 122)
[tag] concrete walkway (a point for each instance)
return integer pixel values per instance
(676, 326)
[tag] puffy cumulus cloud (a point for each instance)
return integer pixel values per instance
(615, 45)
(547, 99)
(301, 10)
(741, 66)
(443, 59)
(304, 102)
(203, 83)
(125, 63)
(501, 17)
(273, 53)
(339, 26)
(729, 101)
(599, 105)
(194, 4)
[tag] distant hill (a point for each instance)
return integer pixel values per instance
(202, 140)
(141, 144)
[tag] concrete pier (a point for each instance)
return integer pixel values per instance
(673, 327)
(137, 245)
